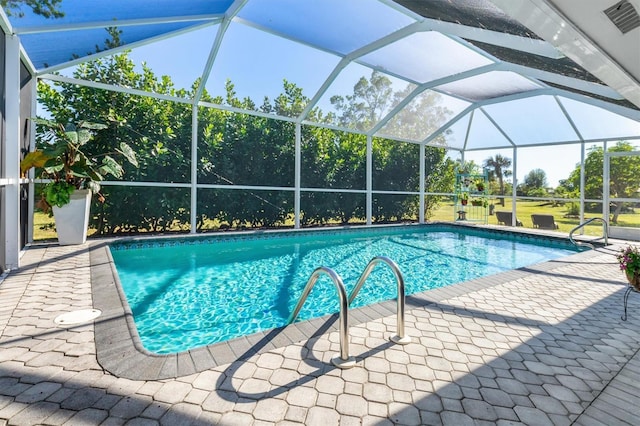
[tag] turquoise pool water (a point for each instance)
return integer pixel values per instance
(191, 292)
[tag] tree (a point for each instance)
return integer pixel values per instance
(158, 131)
(468, 167)
(365, 106)
(396, 164)
(624, 174)
(535, 179)
(239, 149)
(498, 170)
(535, 184)
(46, 8)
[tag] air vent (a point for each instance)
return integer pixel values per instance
(624, 16)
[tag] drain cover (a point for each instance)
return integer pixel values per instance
(77, 317)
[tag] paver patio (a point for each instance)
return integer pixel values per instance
(540, 345)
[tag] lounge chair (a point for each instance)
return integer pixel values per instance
(504, 218)
(544, 221)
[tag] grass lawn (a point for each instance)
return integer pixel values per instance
(44, 224)
(524, 210)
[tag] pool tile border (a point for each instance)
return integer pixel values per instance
(128, 243)
(120, 351)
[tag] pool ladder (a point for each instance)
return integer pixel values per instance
(605, 233)
(345, 360)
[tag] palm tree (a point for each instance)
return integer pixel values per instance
(498, 167)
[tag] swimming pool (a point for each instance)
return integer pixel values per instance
(190, 292)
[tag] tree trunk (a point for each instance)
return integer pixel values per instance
(616, 212)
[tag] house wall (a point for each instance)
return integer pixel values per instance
(3, 153)
(15, 109)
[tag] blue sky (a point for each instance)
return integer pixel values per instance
(557, 162)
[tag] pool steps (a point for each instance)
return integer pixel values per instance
(345, 361)
(400, 338)
(605, 233)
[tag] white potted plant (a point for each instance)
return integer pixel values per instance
(73, 174)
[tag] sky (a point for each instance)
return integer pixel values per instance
(557, 162)
(256, 66)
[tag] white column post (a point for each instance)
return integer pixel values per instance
(582, 177)
(514, 193)
(606, 177)
(194, 168)
(32, 172)
(606, 209)
(298, 176)
(369, 180)
(422, 186)
(10, 214)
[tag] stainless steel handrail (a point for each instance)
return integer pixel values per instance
(582, 243)
(400, 338)
(345, 360)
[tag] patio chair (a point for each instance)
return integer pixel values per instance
(544, 221)
(504, 218)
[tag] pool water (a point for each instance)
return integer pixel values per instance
(193, 292)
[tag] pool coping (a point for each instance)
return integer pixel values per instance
(120, 351)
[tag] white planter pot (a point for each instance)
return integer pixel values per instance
(72, 220)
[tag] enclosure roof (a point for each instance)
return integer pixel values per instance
(462, 74)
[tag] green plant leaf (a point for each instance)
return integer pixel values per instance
(48, 123)
(79, 172)
(92, 126)
(84, 136)
(56, 150)
(71, 133)
(93, 186)
(111, 166)
(94, 174)
(54, 166)
(58, 193)
(128, 153)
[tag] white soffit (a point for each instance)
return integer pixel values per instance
(582, 31)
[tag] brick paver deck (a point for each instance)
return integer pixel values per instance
(541, 345)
